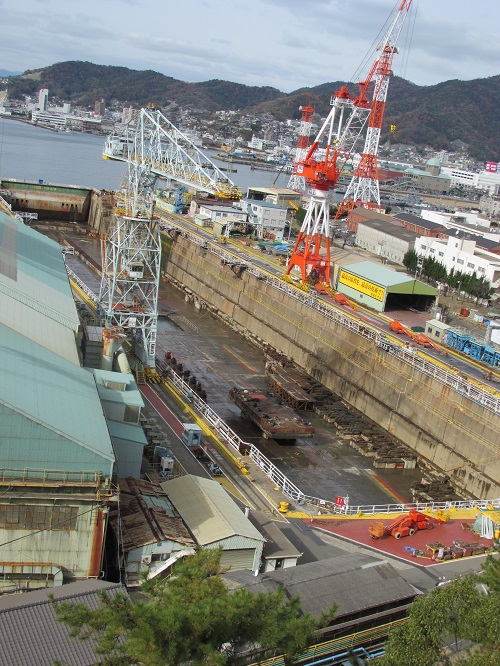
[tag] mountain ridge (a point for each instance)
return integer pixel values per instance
(433, 115)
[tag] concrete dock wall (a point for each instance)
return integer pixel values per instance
(54, 202)
(447, 430)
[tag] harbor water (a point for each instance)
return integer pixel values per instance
(73, 158)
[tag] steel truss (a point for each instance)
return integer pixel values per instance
(155, 148)
(130, 278)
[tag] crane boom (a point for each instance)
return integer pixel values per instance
(364, 186)
(321, 168)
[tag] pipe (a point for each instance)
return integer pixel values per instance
(123, 363)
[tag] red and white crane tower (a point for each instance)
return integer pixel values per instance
(297, 181)
(363, 190)
(321, 168)
(333, 146)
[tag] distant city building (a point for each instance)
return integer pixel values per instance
(490, 204)
(488, 179)
(130, 115)
(43, 99)
(48, 118)
(99, 107)
(432, 179)
(386, 239)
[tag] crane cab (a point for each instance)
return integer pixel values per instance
(136, 270)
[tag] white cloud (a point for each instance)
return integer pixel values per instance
(287, 44)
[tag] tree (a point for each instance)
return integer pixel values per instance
(191, 618)
(410, 260)
(300, 214)
(457, 624)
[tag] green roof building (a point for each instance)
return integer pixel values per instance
(378, 287)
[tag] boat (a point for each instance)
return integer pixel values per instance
(269, 413)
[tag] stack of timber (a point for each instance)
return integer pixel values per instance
(271, 414)
(434, 490)
(367, 438)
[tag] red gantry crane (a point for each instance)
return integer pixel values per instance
(363, 190)
(297, 181)
(321, 168)
(333, 146)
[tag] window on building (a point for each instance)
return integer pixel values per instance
(481, 269)
(441, 254)
(432, 250)
(460, 262)
(437, 334)
(37, 517)
(424, 247)
(469, 265)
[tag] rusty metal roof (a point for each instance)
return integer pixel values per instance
(147, 516)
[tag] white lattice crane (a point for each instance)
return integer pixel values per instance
(152, 148)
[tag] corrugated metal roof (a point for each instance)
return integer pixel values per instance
(127, 431)
(354, 584)
(381, 275)
(49, 400)
(34, 287)
(30, 633)
(208, 510)
(147, 516)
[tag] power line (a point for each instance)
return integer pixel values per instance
(46, 529)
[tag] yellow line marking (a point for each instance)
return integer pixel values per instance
(238, 358)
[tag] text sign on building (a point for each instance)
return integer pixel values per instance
(491, 167)
(364, 286)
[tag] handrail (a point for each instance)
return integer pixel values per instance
(81, 284)
(337, 644)
(288, 487)
(447, 376)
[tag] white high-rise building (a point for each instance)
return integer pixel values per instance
(43, 98)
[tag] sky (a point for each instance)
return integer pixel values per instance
(286, 44)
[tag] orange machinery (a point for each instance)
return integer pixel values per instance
(404, 525)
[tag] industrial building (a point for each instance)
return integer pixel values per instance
(366, 591)
(419, 225)
(215, 520)
(381, 288)
(387, 240)
(65, 429)
(151, 532)
(282, 197)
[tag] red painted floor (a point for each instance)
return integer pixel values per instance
(357, 531)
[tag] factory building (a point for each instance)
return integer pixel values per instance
(381, 288)
(56, 455)
(388, 240)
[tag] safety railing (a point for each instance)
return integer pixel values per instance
(288, 488)
(410, 356)
(314, 654)
(82, 286)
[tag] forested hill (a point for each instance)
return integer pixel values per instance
(424, 115)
